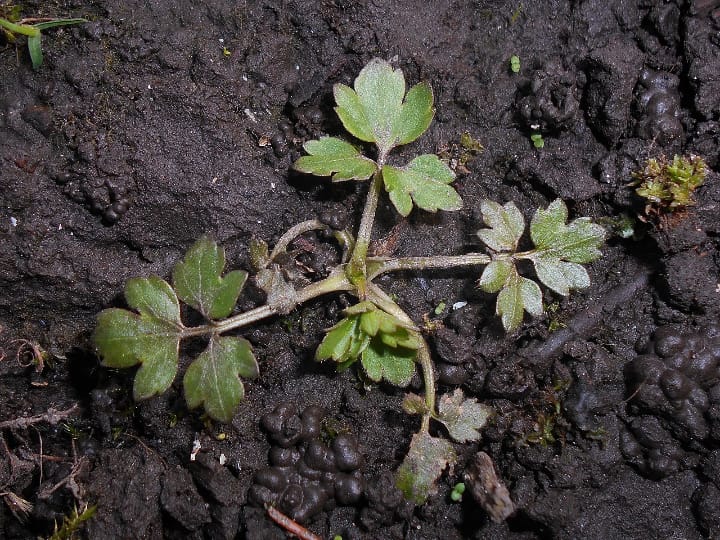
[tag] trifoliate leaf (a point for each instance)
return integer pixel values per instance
(462, 417)
(561, 276)
(213, 379)
(426, 459)
(394, 364)
(151, 337)
(333, 156)
(578, 242)
(199, 284)
(495, 275)
(519, 294)
(425, 181)
(506, 225)
(375, 112)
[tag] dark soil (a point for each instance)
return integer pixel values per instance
(139, 134)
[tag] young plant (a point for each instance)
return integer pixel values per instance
(668, 186)
(376, 333)
(32, 30)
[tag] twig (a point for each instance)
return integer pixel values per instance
(291, 526)
(52, 417)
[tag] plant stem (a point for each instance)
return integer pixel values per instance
(381, 265)
(292, 233)
(337, 281)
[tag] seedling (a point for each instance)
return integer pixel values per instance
(537, 140)
(515, 63)
(72, 523)
(668, 186)
(375, 334)
(456, 494)
(32, 29)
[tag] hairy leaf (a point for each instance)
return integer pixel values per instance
(414, 404)
(561, 276)
(578, 242)
(375, 111)
(495, 275)
(198, 280)
(426, 460)
(394, 364)
(462, 417)
(150, 337)
(425, 180)
(333, 156)
(213, 379)
(506, 225)
(519, 294)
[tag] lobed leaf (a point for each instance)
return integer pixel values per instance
(333, 156)
(427, 458)
(519, 295)
(343, 342)
(561, 276)
(495, 275)
(414, 404)
(578, 242)
(394, 364)
(375, 111)
(199, 284)
(150, 337)
(462, 417)
(506, 225)
(213, 379)
(424, 181)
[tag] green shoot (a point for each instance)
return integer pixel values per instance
(669, 185)
(515, 63)
(72, 523)
(537, 140)
(33, 32)
(457, 492)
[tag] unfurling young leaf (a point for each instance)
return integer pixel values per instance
(519, 294)
(213, 379)
(426, 460)
(199, 284)
(375, 111)
(425, 180)
(332, 156)
(386, 346)
(462, 417)
(506, 225)
(150, 337)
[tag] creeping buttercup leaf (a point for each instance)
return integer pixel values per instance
(396, 365)
(375, 111)
(344, 341)
(561, 276)
(495, 275)
(425, 180)
(426, 460)
(199, 284)
(577, 242)
(333, 156)
(519, 294)
(213, 379)
(150, 337)
(462, 417)
(506, 225)
(414, 404)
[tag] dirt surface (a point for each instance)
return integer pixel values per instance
(140, 133)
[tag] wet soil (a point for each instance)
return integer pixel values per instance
(158, 122)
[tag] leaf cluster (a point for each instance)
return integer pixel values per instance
(150, 334)
(385, 346)
(377, 110)
(561, 249)
(670, 185)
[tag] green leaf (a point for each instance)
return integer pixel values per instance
(578, 242)
(343, 342)
(520, 294)
(414, 404)
(561, 276)
(151, 337)
(426, 459)
(462, 417)
(58, 22)
(506, 225)
(333, 156)
(496, 275)
(198, 280)
(375, 112)
(394, 364)
(213, 379)
(425, 181)
(34, 44)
